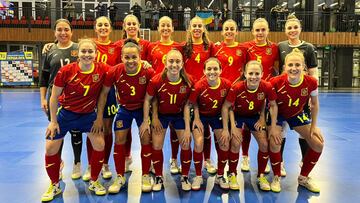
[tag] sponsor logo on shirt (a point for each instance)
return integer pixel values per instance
(223, 92)
(304, 92)
(95, 77)
(119, 124)
(74, 53)
(142, 80)
(261, 96)
(182, 89)
(238, 52)
(268, 51)
(111, 50)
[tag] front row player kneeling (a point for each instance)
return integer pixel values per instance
(294, 89)
(76, 88)
(130, 79)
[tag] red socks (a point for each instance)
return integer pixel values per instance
(245, 144)
(275, 159)
(158, 161)
(185, 157)
(89, 149)
(207, 143)
(309, 162)
(119, 158)
(233, 161)
(174, 143)
(108, 146)
(145, 158)
(198, 161)
(52, 166)
(128, 144)
(97, 160)
(262, 158)
(223, 157)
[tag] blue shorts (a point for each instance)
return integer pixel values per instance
(215, 122)
(124, 118)
(248, 121)
(69, 120)
(111, 108)
(177, 121)
(295, 121)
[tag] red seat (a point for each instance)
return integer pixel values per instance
(23, 21)
(15, 21)
(46, 22)
(7, 21)
(38, 21)
(118, 24)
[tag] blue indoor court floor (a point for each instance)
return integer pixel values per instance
(23, 177)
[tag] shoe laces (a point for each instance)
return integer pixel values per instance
(158, 180)
(262, 179)
(276, 179)
(185, 179)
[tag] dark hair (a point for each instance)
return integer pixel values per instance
(130, 43)
(188, 48)
(108, 19)
(183, 74)
(62, 20)
(212, 59)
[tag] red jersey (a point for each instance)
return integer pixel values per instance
(131, 88)
(232, 58)
(209, 99)
(171, 96)
(157, 54)
(143, 47)
(108, 53)
(267, 55)
(194, 66)
(81, 89)
(291, 99)
(250, 103)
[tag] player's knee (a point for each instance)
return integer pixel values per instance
(263, 146)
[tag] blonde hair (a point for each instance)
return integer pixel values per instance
(87, 40)
(230, 21)
(260, 20)
(188, 48)
(124, 24)
(166, 17)
(296, 52)
(108, 19)
(212, 59)
(183, 74)
(253, 62)
(292, 18)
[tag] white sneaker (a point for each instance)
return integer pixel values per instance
(283, 171)
(76, 172)
(117, 184)
(62, 164)
(174, 168)
(209, 166)
(97, 187)
(233, 184)
(276, 185)
(105, 171)
(267, 169)
(197, 182)
(128, 162)
(245, 164)
(51, 192)
(159, 183)
(87, 174)
(264, 184)
(185, 183)
(222, 182)
(308, 183)
(146, 183)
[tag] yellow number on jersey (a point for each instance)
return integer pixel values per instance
(163, 59)
(230, 60)
(303, 119)
(251, 105)
(132, 90)
(197, 58)
(172, 98)
(259, 58)
(215, 104)
(101, 58)
(295, 103)
(87, 88)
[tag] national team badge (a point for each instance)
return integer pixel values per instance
(182, 89)
(111, 50)
(304, 92)
(223, 92)
(119, 124)
(268, 51)
(74, 53)
(95, 77)
(142, 80)
(261, 96)
(238, 52)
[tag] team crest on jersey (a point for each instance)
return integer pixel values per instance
(74, 53)
(95, 77)
(304, 92)
(111, 50)
(182, 89)
(238, 52)
(261, 96)
(142, 80)
(268, 51)
(223, 92)
(119, 124)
